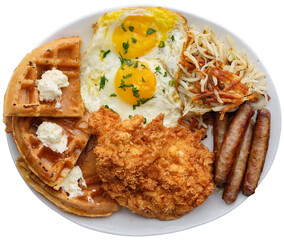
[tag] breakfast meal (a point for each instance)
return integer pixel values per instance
(123, 125)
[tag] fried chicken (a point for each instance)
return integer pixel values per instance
(154, 171)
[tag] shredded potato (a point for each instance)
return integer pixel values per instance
(217, 78)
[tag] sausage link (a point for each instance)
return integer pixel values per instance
(258, 151)
(237, 173)
(219, 131)
(231, 143)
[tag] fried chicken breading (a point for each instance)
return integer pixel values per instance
(154, 171)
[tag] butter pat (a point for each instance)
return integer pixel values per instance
(70, 183)
(51, 135)
(50, 84)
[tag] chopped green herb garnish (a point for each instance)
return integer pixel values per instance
(143, 80)
(127, 76)
(173, 38)
(130, 116)
(145, 121)
(106, 106)
(142, 101)
(131, 28)
(105, 53)
(136, 64)
(125, 61)
(129, 62)
(122, 26)
(113, 95)
(125, 47)
(165, 74)
(164, 91)
(123, 85)
(172, 83)
(150, 31)
(135, 92)
(133, 40)
(161, 44)
(143, 66)
(158, 69)
(103, 82)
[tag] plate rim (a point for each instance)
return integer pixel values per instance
(236, 38)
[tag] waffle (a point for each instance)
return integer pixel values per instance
(22, 96)
(51, 167)
(94, 202)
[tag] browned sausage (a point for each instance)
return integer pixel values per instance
(237, 173)
(219, 131)
(258, 151)
(231, 143)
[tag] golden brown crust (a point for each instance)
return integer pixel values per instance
(21, 97)
(154, 171)
(49, 166)
(94, 202)
(8, 122)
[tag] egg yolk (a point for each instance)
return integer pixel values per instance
(135, 37)
(135, 82)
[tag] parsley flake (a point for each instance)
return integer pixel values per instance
(127, 76)
(136, 64)
(135, 92)
(145, 121)
(131, 28)
(173, 38)
(172, 83)
(123, 85)
(113, 95)
(150, 31)
(143, 66)
(142, 101)
(133, 40)
(105, 53)
(125, 47)
(158, 69)
(161, 44)
(103, 82)
(125, 61)
(122, 26)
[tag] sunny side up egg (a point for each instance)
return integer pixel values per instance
(131, 64)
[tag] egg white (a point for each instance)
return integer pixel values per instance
(94, 66)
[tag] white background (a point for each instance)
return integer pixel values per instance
(23, 24)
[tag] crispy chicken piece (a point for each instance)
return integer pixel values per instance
(154, 171)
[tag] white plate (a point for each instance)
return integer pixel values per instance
(126, 223)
